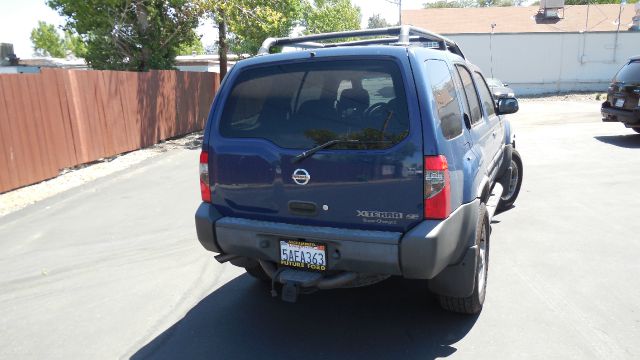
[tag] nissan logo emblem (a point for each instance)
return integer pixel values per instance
(301, 176)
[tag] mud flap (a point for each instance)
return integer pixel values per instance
(457, 280)
(504, 173)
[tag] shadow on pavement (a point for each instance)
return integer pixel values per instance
(393, 319)
(626, 141)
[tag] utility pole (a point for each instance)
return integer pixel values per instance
(399, 3)
(615, 42)
(493, 27)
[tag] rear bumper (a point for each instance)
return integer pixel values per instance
(631, 118)
(421, 253)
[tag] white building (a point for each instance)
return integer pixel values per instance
(203, 63)
(572, 48)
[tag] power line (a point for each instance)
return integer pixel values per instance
(399, 3)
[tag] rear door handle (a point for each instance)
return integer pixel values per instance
(305, 208)
(494, 134)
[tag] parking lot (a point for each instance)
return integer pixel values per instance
(112, 269)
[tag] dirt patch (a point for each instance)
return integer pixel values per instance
(73, 177)
(590, 96)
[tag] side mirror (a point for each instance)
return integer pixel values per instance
(507, 106)
(505, 85)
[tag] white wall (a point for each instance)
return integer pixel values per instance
(199, 68)
(536, 63)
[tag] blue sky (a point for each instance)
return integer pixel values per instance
(19, 17)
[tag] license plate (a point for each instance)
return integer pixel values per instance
(304, 255)
(619, 103)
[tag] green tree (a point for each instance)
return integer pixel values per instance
(321, 16)
(376, 21)
(46, 41)
(189, 48)
(74, 44)
(130, 34)
(219, 12)
(252, 21)
(440, 4)
(244, 24)
(498, 3)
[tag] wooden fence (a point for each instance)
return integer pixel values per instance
(61, 118)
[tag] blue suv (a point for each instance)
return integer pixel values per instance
(340, 164)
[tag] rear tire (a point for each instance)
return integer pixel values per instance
(515, 182)
(472, 304)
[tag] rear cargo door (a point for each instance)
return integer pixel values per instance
(626, 86)
(369, 177)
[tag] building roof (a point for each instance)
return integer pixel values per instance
(55, 62)
(204, 60)
(519, 19)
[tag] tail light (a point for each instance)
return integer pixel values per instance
(437, 187)
(205, 189)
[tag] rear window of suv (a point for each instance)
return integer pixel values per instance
(302, 105)
(629, 73)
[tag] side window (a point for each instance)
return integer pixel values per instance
(470, 92)
(380, 89)
(444, 93)
(485, 95)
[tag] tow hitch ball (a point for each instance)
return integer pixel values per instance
(293, 282)
(290, 291)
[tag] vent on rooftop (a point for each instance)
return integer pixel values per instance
(550, 9)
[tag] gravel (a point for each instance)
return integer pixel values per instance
(73, 177)
(595, 97)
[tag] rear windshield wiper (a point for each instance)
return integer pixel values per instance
(307, 153)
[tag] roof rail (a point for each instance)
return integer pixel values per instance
(400, 35)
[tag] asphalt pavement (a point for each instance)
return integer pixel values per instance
(113, 269)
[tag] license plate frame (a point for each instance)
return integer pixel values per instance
(618, 102)
(304, 255)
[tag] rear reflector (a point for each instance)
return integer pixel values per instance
(205, 189)
(437, 187)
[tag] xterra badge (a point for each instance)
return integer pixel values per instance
(380, 214)
(383, 217)
(301, 176)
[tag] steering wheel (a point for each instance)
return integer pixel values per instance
(377, 112)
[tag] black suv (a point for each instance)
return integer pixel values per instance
(622, 96)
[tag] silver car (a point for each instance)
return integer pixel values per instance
(499, 89)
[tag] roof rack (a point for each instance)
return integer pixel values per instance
(400, 35)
